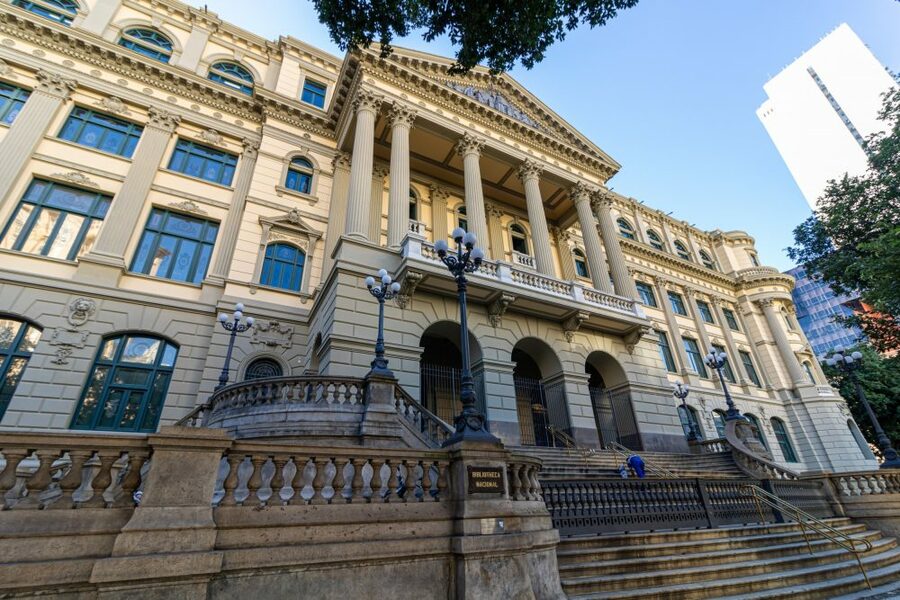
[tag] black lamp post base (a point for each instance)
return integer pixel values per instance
(733, 414)
(470, 428)
(891, 459)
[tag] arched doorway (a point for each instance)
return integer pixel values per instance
(611, 401)
(540, 394)
(440, 370)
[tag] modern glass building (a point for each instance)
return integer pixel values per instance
(816, 306)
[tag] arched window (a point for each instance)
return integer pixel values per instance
(759, 430)
(232, 75)
(754, 260)
(518, 238)
(689, 422)
(625, 228)
(787, 320)
(461, 220)
(681, 250)
(719, 422)
(61, 11)
(707, 260)
(299, 175)
(263, 367)
(127, 385)
(18, 339)
(784, 440)
(860, 440)
(283, 267)
(809, 372)
(148, 42)
(581, 268)
(655, 240)
(413, 205)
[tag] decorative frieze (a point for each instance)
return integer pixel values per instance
(273, 334)
(113, 104)
(76, 178)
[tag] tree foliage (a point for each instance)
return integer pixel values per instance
(497, 33)
(852, 242)
(880, 380)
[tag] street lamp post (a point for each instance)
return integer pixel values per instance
(850, 363)
(386, 291)
(681, 391)
(716, 360)
(235, 326)
(466, 259)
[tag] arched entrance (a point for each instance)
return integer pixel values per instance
(611, 401)
(440, 369)
(540, 394)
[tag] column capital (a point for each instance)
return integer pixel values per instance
(765, 303)
(493, 210)
(251, 148)
(601, 200)
(717, 301)
(402, 115)
(469, 144)
(367, 100)
(529, 170)
(662, 282)
(581, 192)
(380, 171)
(691, 292)
(163, 119)
(437, 192)
(55, 84)
(341, 160)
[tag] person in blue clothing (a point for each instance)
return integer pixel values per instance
(637, 465)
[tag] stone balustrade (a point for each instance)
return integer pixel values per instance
(867, 483)
(416, 227)
(420, 418)
(288, 390)
(526, 260)
(712, 446)
(523, 478)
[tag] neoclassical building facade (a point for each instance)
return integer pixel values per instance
(159, 165)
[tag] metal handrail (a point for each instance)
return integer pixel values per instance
(567, 440)
(192, 419)
(656, 470)
(805, 519)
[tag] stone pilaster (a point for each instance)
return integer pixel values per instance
(379, 172)
(736, 362)
(621, 278)
(366, 104)
(754, 354)
(581, 196)
(675, 342)
(494, 214)
(469, 147)
(125, 210)
(401, 119)
(439, 212)
(530, 173)
(30, 125)
(566, 258)
(101, 14)
(337, 210)
(797, 375)
(705, 345)
(232, 226)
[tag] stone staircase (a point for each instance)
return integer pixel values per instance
(561, 463)
(746, 562)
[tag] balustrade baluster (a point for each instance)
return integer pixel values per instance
(131, 482)
(318, 482)
(39, 481)
(340, 483)
(356, 487)
(392, 482)
(255, 481)
(277, 483)
(298, 483)
(427, 481)
(231, 480)
(442, 480)
(9, 478)
(411, 480)
(515, 485)
(101, 479)
(72, 480)
(376, 483)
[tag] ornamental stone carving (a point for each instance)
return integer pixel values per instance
(6, 70)
(633, 338)
(114, 105)
(341, 161)
(188, 206)
(573, 324)
(469, 144)
(498, 307)
(273, 334)
(163, 119)
(367, 100)
(495, 100)
(410, 282)
(251, 148)
(210, 136)
(76, 178)
(437, 192)
(55, 84)
(65, 342)
(493, 210)
(529, 170)
(80, 310)
(765, 303)
(401, 115)
(581, 192)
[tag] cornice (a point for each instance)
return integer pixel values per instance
(658, 256)
(757, 276)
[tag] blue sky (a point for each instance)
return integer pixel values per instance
(669, 89)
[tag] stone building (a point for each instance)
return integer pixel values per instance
(159, 165)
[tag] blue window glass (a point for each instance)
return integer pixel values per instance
(784, 440)
(61, 11)
(127, 385)
(12, 99)
(677, 304)
(730, 319)
(299, 176)
(581, 268)
(461, 220)
(625, 229)
(314, 93)
(705, 311)
(233, 76)
(654, 240)
(203, 162)
(175, 246)
(17, 341)
(727, 371)
(719, 422)
(694, 356)
(646, 293)
(102, 132)
(147, 42)
(690, 424)
(707, 261)
(747, 361)
(283, 267)
(681, 250)
(55, 220)
(759, 430)
(665, 352)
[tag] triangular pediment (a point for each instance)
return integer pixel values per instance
(292, 221)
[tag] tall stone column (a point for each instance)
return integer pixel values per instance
(337, 210)
(401, 119)
(232, 226)
(798, 377)
(621, 278)
(29, 127)
(530, 174)
(439, 212)
(122, 220)
(494, 214)
(675, 342)
(733, 355)
(379, 172)
(367, 104)
(469, 147)
(566, 258)
(581, 195)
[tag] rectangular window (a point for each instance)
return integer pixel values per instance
(727, 371)
(175, 246)
(96, 130)
(730, 319)
(646, 293)
(749, 368)
(705, 312)
(665, 352)
(314, 93)
(677, 303)
(12, 99)
(203, 162)
(55, 220)
(694, 356)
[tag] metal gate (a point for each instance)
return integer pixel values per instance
(440, 391)
(614, 416)
(541, 409)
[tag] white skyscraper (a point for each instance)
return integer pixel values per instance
(822, 106)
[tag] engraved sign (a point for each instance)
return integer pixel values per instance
(485, 480)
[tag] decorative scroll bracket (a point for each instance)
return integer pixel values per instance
(633, 338)
(410, 282)
(498, 308)
(573, 324)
